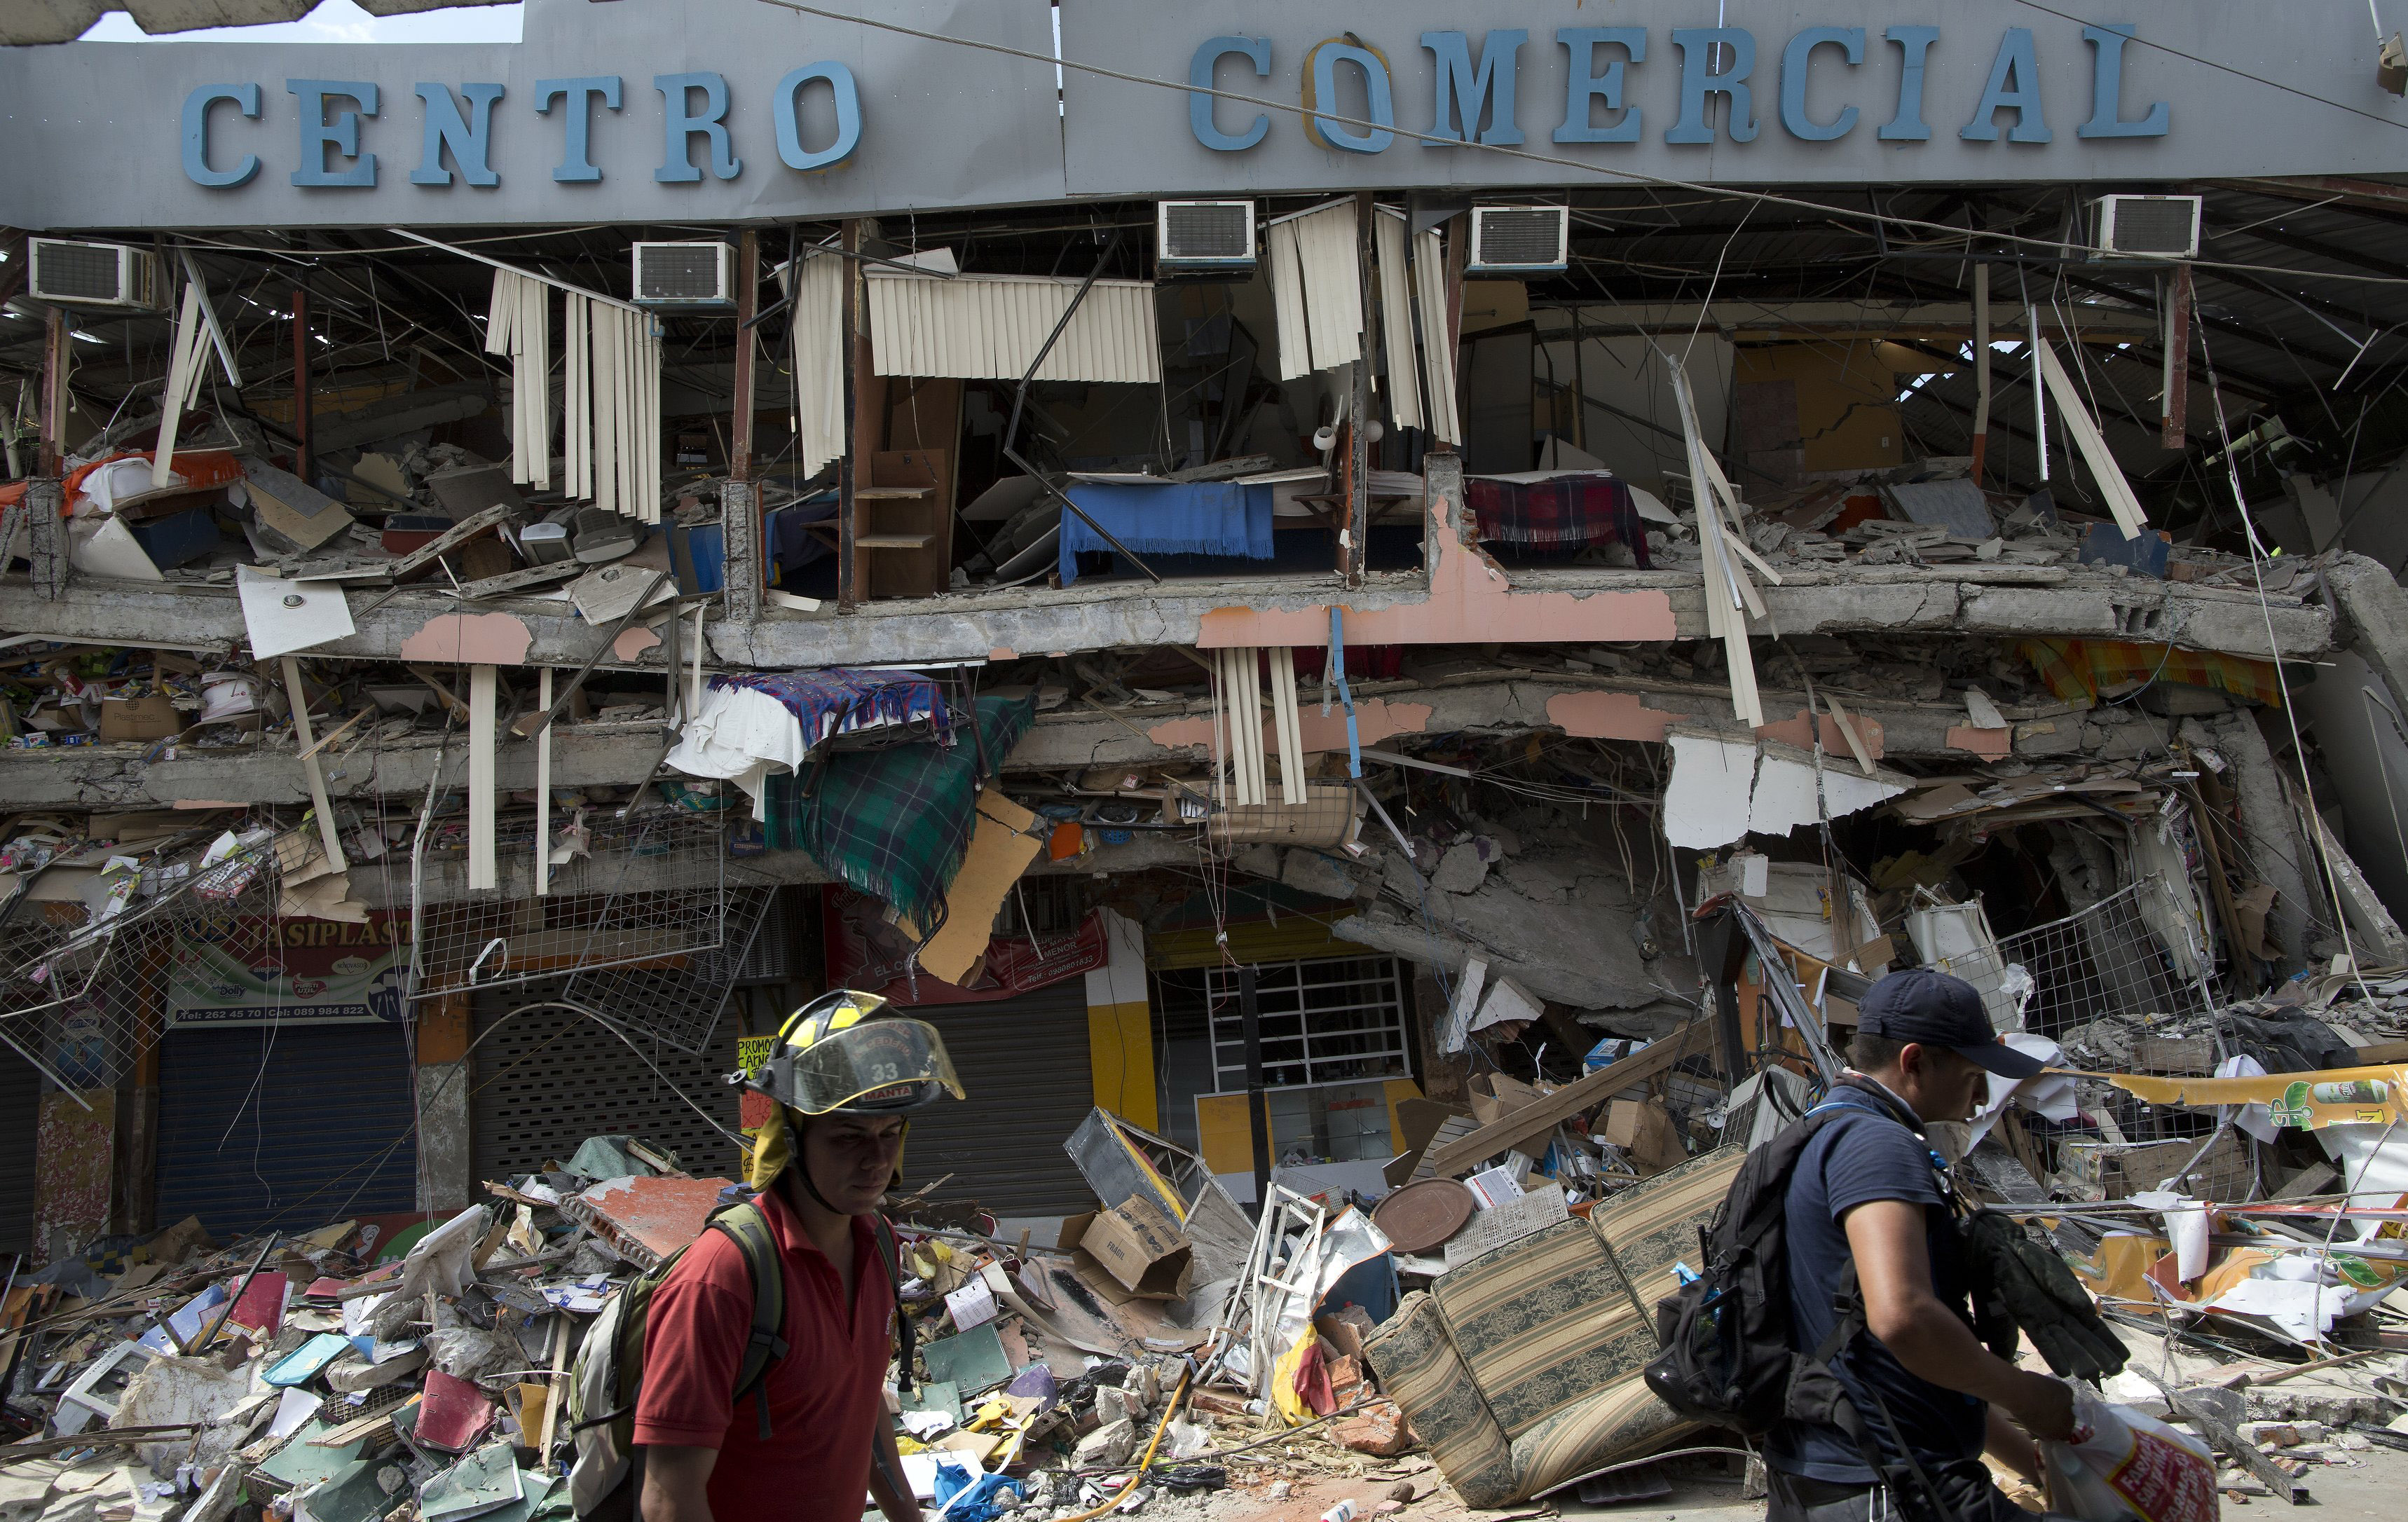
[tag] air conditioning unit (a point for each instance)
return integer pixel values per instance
(696, 274)
(2150, 226)
(1520, 239)
(70, 274)
(1204, 235)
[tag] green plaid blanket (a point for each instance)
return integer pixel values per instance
(896, 823)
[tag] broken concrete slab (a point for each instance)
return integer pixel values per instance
(1461, 869)
(1578, 951)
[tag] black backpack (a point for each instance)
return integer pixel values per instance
(1726, 1357)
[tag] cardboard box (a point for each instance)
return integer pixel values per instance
(150, 716)
(1139, 1246)
(1643, 1132)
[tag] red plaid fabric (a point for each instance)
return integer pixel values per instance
(1594, 509)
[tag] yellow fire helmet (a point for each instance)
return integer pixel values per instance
(838, 1052)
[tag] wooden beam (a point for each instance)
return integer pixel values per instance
(55, 364)
(1536, 1120)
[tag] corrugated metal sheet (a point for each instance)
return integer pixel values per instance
(1429, 294)
(548, 1079)
(21, 1096)
(1024, 1064)
(819, 360)
(1316, 272)
(989, 327)
(292, 1126)
(1396, 320)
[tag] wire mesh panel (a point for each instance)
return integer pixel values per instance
(648, 886)
(679, 1003)
(87, 984)
(2104, 960)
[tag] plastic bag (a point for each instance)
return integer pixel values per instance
(2122, 1464)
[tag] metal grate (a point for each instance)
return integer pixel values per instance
(681, 272)
(678, 1002)
(547, 1078)
(2158, 224)
(2104, 960)
(1322, 1022)
(1519, 237)
(93, 272)
(651, 886)
(1215, 232)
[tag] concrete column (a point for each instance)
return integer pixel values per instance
(1444, 475)
(445, 1173)
(2373, 612)
(2277, 853)
(740, 521)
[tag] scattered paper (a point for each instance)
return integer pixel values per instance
(283, 616)
(971, 1305)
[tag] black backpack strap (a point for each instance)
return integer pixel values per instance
(746, 1226)
(893, 1258)
(1844, 1413)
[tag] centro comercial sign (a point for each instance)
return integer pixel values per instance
(727, 111)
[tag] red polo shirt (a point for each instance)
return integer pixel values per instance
(824, 1400)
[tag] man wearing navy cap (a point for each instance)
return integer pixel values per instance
(1868, 1189)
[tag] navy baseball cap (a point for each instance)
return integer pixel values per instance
(1932, 1009)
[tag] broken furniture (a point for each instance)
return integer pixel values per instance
(1520, 1367)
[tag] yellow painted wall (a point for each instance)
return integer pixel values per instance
(1120, 1027)
(1847, 392)
(1224, 1125)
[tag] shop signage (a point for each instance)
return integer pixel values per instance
(718, 112)
(317, 972)
(1716, 66)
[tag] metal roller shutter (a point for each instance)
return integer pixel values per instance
(1024, 1062)
(291, 1126)
(21, 1105)
(548, 1079)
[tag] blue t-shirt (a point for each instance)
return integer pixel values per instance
(1852, 1161)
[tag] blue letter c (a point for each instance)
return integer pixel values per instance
(196, 134)
(1199, 78)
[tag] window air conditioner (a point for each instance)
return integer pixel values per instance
(93, 275)
(2156, 226)
(696, 274)
(1204, 235)
(1516, 239)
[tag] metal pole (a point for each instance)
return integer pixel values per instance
(747, 299)
(1258, 1104)
(301, 383)
(852, 468)
(1356, 513)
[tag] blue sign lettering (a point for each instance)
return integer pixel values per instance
(1462, 92)
(1321, 84)
(1585, 85)
(2107, 89)
(1795, 59)
(679, 125)
(1700, 46)
(341, 135)
(790, 127)
(196, 134)
(577, 166)
(2015, 85)
(1906, 124)
(1200, 121)
(469, 141)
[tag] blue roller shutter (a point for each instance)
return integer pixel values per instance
(291, 1128)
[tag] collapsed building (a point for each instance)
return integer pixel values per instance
(501, 602)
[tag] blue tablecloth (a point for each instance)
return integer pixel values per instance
(1204, 518)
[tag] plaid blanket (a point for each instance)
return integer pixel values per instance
(896, 823)
(839, 701)
(2076, 669)
(1589, 508)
